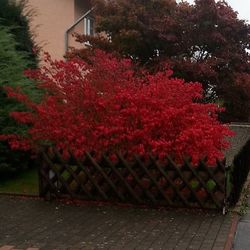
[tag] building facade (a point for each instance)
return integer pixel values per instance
(54, 21)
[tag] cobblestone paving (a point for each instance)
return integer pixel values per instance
(29, 223)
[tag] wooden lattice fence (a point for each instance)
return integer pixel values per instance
(136, 181)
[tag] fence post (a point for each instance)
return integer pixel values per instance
(43, 175)
(227, 189)
(39, 163)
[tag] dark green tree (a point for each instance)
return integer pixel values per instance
(12, 16)
(16, 54)
(12, 65)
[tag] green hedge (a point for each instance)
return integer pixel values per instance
(11, 15)
(12, 64)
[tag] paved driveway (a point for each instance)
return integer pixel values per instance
(26, 223)
(242, 237)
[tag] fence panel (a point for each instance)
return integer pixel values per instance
(138, 181)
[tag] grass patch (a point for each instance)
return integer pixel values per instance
(24, 183)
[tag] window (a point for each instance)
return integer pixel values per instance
(88, 26)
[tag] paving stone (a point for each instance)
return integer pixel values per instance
(35, 224)
(219, 248)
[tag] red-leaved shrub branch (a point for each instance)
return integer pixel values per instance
(107, 106)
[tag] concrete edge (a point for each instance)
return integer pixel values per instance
(239, 125)
(20, 195)
(232, 232)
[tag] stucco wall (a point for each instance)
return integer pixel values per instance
(51, 20)
(242, 135)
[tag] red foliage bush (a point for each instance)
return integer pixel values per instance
(108, 106)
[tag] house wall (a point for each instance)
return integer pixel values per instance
(52, 18)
